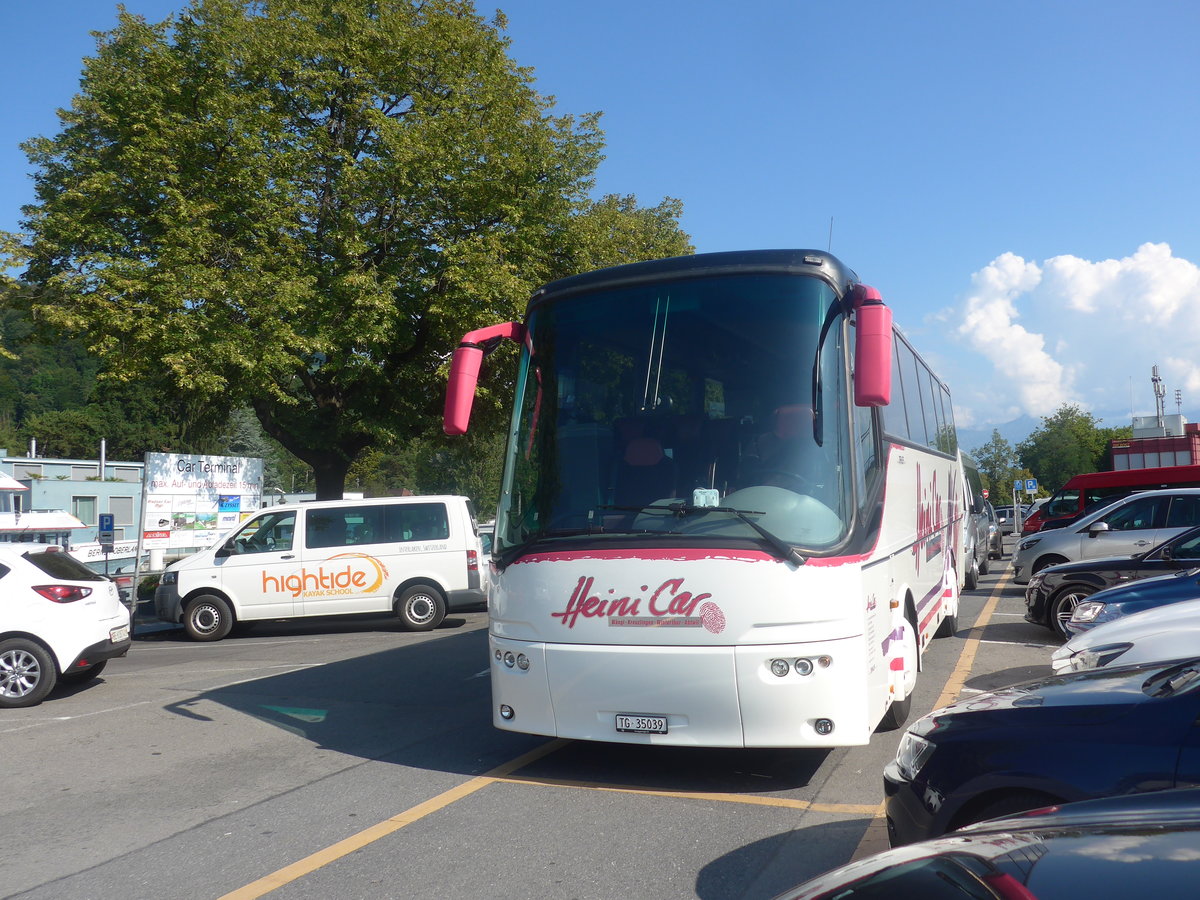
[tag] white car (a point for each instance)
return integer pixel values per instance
(59, 622)
(1156, 635)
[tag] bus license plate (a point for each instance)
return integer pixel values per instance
(641, 724)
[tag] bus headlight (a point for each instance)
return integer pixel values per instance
(780, 667)
(803, 666)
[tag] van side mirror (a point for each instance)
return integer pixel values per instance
(872, 348)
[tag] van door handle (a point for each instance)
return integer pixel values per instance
(288, 556)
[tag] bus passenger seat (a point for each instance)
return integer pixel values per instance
(645, 474)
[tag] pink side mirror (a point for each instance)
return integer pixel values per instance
(464, 372)
(872, 349)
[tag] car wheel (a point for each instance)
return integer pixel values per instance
(27, 673)
(421, 608)
(83, 676)
(983, 564)
(1064, 604)
(972, 580)
(207, 618)
(898, 712)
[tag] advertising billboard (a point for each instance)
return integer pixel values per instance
(190, 501)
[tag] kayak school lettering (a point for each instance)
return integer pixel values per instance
(361, 574)
(668, 606)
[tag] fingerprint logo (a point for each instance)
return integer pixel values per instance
(712, 618)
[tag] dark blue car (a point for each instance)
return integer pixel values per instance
(1143, 845)
(1127, 599)
(1098, 733)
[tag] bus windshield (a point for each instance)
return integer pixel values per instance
(681, 407)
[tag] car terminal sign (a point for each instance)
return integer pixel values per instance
(189, 501)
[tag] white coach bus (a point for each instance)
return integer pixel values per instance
(731, 510)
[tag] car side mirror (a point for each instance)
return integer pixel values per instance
(1097, 528)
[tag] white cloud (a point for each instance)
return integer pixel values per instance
(1074, 330)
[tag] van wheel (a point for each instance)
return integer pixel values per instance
(421, 608)
(207, 618)
(27, 673)
(971, 581)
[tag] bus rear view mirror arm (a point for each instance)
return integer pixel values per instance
(464, 371)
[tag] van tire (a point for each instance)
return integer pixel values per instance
(207, 618)
(420, 608)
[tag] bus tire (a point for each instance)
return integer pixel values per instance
(897, 714)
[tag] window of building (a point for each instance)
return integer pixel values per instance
(27, 470)
(122, 510)
(84, 509)
(83, 473)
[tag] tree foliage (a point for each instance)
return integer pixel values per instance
(301, 205)
(1069, 442)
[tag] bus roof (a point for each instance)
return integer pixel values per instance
(737, 262)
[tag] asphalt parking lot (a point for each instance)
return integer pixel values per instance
(349, 758)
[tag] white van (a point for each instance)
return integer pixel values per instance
(417, 557)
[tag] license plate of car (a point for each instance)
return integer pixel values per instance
(639, 724)
(119, 634)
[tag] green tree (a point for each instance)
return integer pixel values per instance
(1069, 442)
(997, 462)
(301, 206)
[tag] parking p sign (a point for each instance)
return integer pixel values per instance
(105, 533)
(1031, 485)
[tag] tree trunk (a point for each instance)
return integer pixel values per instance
(330, 475)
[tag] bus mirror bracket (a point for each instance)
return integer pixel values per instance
(872, 348)
(464, 371)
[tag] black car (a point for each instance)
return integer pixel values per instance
(1097, 733)
(1053, 592)
(1143, 845)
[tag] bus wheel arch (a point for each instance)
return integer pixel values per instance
(909, 657)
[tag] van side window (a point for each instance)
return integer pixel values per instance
(267, 534)
(345, 526)
(419, 522)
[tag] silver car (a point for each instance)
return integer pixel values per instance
(1131, 525)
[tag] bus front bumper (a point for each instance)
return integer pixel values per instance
(703, 696)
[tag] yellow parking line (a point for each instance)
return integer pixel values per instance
(314, 861)
(876, 838)
(857, 809)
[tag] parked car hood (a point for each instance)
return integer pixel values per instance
(1184, 583)
(1078, 698)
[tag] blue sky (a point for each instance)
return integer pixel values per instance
(1021, 180)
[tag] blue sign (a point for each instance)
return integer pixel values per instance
(1031, 485)
(1019, 483)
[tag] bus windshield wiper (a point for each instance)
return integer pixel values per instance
(785, 550)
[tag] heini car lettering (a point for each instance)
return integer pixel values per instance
(668, 606)
(361, 574)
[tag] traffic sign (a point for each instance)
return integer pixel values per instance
(1018, 484)
(105, 532)
(1030, 485)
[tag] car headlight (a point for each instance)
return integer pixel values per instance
(1027, 543)
(1092, 658)
(1087, 611)
(913, 753)
(169, 578)
(1035, 581)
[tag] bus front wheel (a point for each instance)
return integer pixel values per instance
(909, 657)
